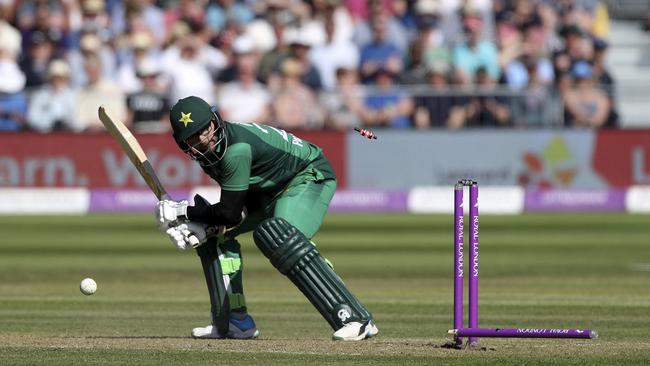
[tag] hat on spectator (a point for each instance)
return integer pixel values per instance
(305, 36)
(141, 40)
(569, 29)
(58, 68)
(427, 7)
(243, 45)
(291, 67)
(262, 35)
(147, 67)
(180, 29)
(11, 39)
(581, 70)
(90, 42)
(92, 6)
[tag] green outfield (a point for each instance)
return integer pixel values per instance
(558, 270)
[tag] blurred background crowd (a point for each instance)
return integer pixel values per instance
(307, 64)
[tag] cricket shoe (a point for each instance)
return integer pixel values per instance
(238, 329)
(356, 331)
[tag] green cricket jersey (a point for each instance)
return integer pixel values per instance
(264, 159)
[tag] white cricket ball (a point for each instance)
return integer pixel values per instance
(88, 286)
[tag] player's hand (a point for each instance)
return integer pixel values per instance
(177, 238)
(169, 212)
(194, 233)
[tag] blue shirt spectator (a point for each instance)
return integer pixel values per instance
(381, 53)
(13, 108)
(387, 105)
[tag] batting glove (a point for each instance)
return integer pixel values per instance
(169, 212)
(177, 238)
(193, 233)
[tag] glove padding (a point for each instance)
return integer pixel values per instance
(170, 213)
(187, 235)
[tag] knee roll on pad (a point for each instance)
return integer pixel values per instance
(296, 257)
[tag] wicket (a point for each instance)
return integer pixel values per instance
(472, 332)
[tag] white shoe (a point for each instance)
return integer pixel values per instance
(356, 331)
(238, 329)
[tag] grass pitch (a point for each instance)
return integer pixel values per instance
(565, 271)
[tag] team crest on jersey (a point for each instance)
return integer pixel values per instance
(185, 118)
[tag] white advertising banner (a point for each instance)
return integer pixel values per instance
(528, 158)
(44, 200)
(491, 200)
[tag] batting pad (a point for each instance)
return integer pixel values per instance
(296, 257)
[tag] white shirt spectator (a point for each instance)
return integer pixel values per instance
(48, 106)
(189, 77)
(243, 104)
(88, 99)
(329, 57)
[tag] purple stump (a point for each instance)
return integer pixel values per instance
(473, 260)
(458, 259)
(524, 333)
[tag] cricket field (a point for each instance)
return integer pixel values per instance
(552, 271)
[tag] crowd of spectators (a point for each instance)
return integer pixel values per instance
(306, 64)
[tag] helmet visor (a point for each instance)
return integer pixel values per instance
(208, 146)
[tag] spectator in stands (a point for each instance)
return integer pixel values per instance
(148, 108)
(380, 18)
(50, 106)
(387, 105)
(51, 18)
(41, 50)
(576, 44)
(487, 109)
(98, 91)
(91, 45)
(219, 12)
(13, 102)
(538, 106)
(343, 105)
(294, 104)
(278, 19)
(145, 12)
(475, 52)
(586, 105)
(95, 19)
(442, 108)
(300, 44)
(187, 70)
(380, 53)
(140, 46)
(333, 55)
(604, 78)
(428, 48)
(244, 99)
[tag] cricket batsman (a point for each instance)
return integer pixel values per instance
(274, 184)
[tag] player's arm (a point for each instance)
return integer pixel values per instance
(227, 212)
(236, 171)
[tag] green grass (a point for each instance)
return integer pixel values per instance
(536, 271)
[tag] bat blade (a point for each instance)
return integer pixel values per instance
(131, 147)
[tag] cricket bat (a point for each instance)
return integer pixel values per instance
(131, 147)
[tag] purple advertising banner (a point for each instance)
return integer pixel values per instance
(578, 200)
(127, 200)
(360, 200)
(142, 200)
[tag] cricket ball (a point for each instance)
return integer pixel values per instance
(88, 286)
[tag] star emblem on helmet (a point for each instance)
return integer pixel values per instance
(185, 118)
